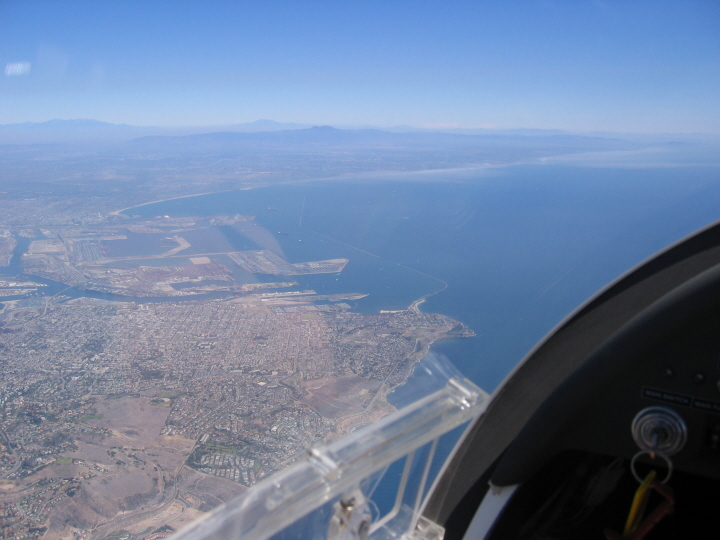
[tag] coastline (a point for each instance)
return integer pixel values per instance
(415, 306)
(394, 176)
(119, 213)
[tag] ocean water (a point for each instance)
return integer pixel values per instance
(509, 251)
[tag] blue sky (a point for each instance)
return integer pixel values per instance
(582, 66)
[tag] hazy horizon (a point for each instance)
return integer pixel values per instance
(277, 125)
(583, 67)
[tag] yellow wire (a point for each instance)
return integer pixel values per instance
(638, 504)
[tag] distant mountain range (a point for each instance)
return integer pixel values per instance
(71, 131)
(327, 139)
(89, 131)
(272, 132)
